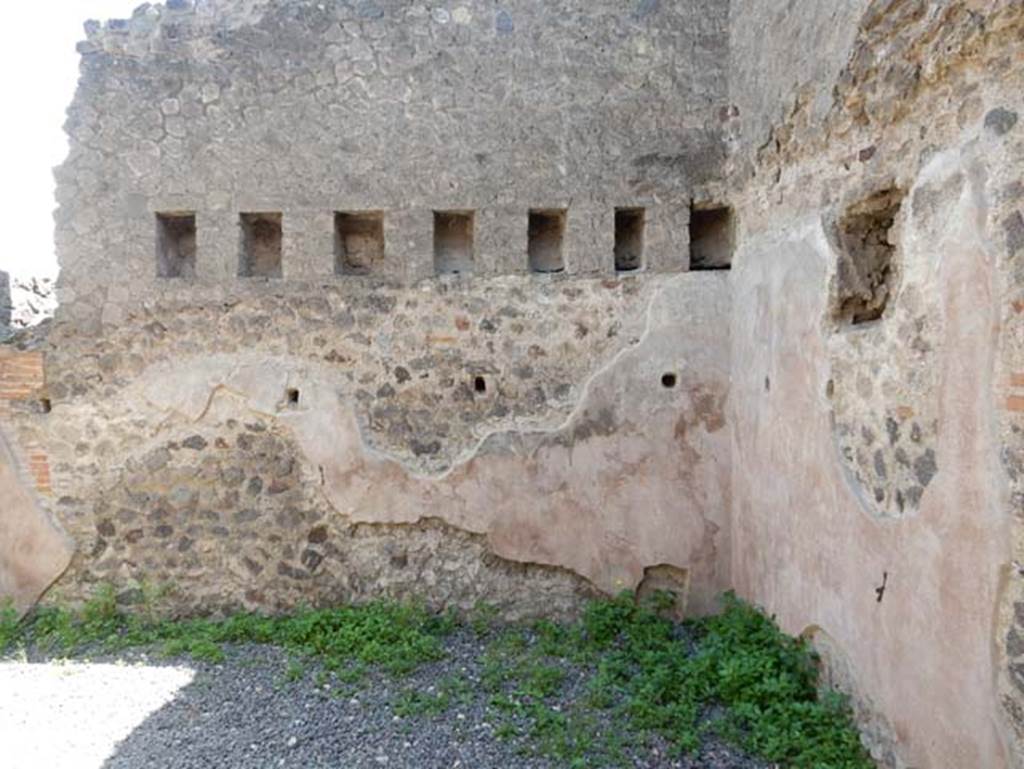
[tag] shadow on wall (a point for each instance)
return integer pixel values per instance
(837, 674)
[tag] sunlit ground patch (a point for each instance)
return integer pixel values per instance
(73, 714)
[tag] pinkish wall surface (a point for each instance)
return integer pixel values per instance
(885, 453)
(806, 543)
(33, 551)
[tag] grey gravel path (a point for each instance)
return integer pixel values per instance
(259, 710)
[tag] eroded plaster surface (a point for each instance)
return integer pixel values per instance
(227, 458)
(34, 550)
(886, 533)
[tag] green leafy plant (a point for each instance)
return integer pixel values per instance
(451, 691)
(734, 673)
(483, 618)
(294, 671)
(395, 637)
(648, 678)
(8, 624)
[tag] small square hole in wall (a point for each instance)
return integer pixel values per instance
(176, 245)
(261, 245)
(866, 268)
(629, 239)
(545, 234)
(453, 241)
(711, 238)
(358, 242)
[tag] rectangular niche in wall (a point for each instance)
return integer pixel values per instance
(261, 245)
(545, 234)
(358, 242)
(453, 241)
(176, 245)
(865, 270)
(629, 239)
(711, 238)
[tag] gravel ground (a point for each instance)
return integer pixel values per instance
(260, 708)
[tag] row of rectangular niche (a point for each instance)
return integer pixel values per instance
(359, 241)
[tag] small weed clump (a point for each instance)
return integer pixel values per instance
(585, 694)
(451, 691)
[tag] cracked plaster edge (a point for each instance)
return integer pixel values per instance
(235, 367)
(655, 308)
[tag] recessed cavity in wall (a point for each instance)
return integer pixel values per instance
(261, 245)
(44, 406)
(866, 270)
(291, 396)
(546, 231)
(629, 239)
(665, 588)
(176, 244)
(711, 237)
(358, 242)
(453, 241)
(669, 380)
(479, 384)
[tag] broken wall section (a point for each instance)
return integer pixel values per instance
(33, 550)
(877, 343)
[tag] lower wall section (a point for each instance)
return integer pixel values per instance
(481, 461)
(231, 517)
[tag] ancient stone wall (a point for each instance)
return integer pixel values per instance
(381, 299)
(237, 464)
(877, 182)
(297, 112)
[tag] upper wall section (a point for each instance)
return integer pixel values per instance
(785, 53)
(806, 76)
(305, 109)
